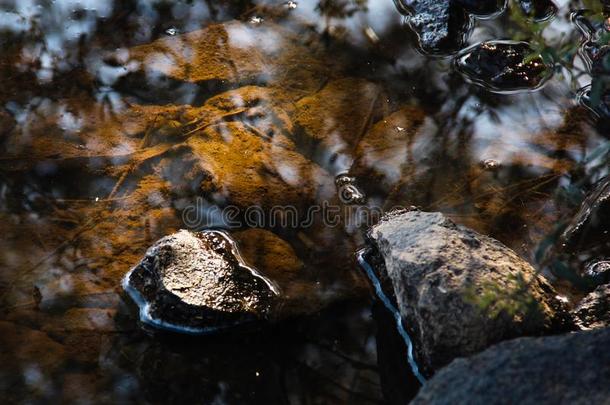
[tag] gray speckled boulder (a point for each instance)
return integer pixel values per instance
(567, 369)
(458, 291)
(594, 310)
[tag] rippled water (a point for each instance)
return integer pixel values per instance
(124, 121)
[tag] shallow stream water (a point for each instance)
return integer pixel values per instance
(124, 121)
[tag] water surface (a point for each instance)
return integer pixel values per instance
(98, 161)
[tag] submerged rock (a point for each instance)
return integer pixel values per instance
(303, 292)
(503, 66)
(458, 291)
(332, 121)
(382, 151)
(572, 368)
(441, 25)
(590, 228)
(203, 62)
(594, 310)
(198, 283)
(538, 10)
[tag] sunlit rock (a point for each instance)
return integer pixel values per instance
(458, 291)
(571, 368)
(441, 26)
(198, 283)
(503, 66)
(538, 10)
(590, 227)
(205, 282)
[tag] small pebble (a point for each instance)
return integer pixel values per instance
(256, 20)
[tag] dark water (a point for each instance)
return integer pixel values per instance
(98, 162)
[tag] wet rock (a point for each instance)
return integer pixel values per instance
(441, 26)
(594, 310)
(198, 283)
(570, 368)
(598, 272)
(458, 291)
(348, 190)
(503, 66)
(483, 8)
(538, 10)
(590, 227)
